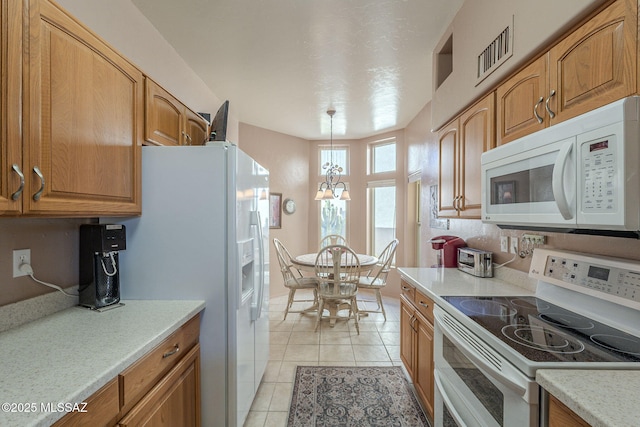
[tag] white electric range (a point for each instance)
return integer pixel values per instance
(585, 315)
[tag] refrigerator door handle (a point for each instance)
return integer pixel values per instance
(256, 309)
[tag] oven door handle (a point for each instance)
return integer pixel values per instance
(478, 361)
(447, 402)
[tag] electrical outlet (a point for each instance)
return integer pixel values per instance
(20, 256)
(504, 243)
(514, 245)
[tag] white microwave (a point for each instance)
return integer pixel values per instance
(581, 175)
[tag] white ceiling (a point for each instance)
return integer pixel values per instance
(283, 63)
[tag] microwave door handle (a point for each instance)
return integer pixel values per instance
(557, 181)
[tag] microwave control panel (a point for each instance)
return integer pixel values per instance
(618, 282)
(599, 175)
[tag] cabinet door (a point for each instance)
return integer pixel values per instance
(11, 185)
(101, 410)
(562, 416)
(476, 137)
(520, 102)
(406, 335)
(85, 116)
(448, 170)
(164, 116)
(423, 373)
(174, 401)
(596, 64)
(197, 128)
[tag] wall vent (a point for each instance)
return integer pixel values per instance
(498, 51)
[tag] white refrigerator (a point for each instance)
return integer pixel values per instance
(203, 234)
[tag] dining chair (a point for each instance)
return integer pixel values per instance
(333, 239)
(338, 270)
(377, 277)
(294, 280)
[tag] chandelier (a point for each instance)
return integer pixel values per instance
(327, 190)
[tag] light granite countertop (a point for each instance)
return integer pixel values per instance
(437, 282)
(603, 398)
(67, 356)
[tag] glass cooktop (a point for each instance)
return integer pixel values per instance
(544, 332)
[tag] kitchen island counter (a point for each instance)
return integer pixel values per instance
(67, 356)
(603, 398)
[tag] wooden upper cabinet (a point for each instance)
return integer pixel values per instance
(520, 108)
(85, 117)
(197, 128)
(163, 116)
(593, 66)
(11, 168)
(169, 122)
(448, 142)
(461, 143)
(596, 64)
(477, 135)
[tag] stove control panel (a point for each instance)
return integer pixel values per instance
(617, 278)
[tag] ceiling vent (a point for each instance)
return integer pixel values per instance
(497, 52)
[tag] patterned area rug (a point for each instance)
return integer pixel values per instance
(353, 397)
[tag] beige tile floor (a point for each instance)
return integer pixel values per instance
(294, 342)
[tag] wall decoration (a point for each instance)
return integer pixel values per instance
(434, 221)
(275, 210)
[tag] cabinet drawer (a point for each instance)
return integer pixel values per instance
(424, 304)
(407, 290)
(101, 410)
(174, 401)
(138, 379)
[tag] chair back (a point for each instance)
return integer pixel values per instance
(338, 265)
(289, 272)
(333, 239)
(383, 265)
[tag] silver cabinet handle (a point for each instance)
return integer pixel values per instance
(546, 105)
(176, 348)
(535, 110)
(38, 194)
(18, 192)
(424, 304)
(187, 138)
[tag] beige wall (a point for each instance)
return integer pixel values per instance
(422, 149)
(287, 158)
(477, 23)
(54, 255)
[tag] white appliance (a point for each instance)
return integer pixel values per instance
(487, 349)
(203, 234)
(581, 174)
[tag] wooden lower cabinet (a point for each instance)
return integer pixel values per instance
(161, 389)
(562, 416)
(174, 401)
(416, 346)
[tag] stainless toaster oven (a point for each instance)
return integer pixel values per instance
(475, 262)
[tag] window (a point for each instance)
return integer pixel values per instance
(381, 194)
(382, 198)
(333, 217)
(340, 158)
(383, 157)
(333, 213)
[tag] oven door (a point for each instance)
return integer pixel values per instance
(474, 385)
